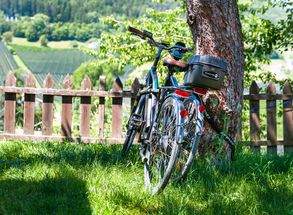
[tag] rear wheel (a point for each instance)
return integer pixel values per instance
(192, 132)
(163, 149)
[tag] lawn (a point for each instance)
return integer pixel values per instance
(62, 178)
(52, 44)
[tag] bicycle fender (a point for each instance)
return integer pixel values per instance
(178, 104)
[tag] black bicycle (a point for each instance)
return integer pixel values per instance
(168, 119)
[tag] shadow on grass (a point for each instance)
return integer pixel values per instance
(64, 195)
(76, 155)
(253, 184)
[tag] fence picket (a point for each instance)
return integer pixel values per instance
(271, 116)
(47, 108)
(10, 105)
(85, 109)
(288, 116)
(101, 117)
(117, 112)
(254, 115)
(29, 106)
(117, 94)
(134, 90)
(66, 114)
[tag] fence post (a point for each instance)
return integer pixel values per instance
(47, 109)
(101, 117)
(29, 106)
(271, 116)
(85, 109)
(134, 90)
(254, 115)
(66, 114)
(288, 116)
(9, 105)
(117, 113)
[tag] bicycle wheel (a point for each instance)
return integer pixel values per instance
(163, 149)
(128, 141)
(134, 126)
(193, 123)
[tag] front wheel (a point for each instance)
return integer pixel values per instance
(163, 149)
(130, 136)
(134, 126)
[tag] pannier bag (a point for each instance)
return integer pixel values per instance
(205, 71)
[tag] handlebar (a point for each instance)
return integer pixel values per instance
(149, 36)
(136, 32)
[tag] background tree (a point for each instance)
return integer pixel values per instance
(4, 25)
(8, 37)
(216, 30)
(44, 40)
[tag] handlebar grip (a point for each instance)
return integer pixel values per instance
(184, 50)
(136, 31)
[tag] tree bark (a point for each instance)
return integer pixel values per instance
(216, 30)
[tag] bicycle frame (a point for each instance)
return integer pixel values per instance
(151, 105)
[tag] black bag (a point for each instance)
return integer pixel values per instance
(205, 71)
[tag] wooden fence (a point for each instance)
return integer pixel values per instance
(117, 94)
(67, 94)
(271, 97)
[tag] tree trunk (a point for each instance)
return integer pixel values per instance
(216, 31)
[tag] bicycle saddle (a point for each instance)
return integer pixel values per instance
(171, 63)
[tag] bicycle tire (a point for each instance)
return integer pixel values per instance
(132, 130)
(193, 123)
(128, 142)
(163, 150)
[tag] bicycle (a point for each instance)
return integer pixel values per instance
(169, 119)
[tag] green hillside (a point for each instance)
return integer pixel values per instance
(7, 63)
(58, 62)
(79, 10)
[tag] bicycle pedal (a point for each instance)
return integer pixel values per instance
(136, 120)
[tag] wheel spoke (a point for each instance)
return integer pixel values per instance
(162, 146)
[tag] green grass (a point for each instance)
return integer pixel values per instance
(60, 178)
(52, 44)
(58, 62)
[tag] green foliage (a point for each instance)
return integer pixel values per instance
(44, 41)
(122, 48)
(62, 178)
(8, 37)
(94, 71)
(79, 10)
(37, 27)
(263, 35)
(4, 25)
(33, 28)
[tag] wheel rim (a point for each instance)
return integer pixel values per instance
(161, 149)
(189, 146)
